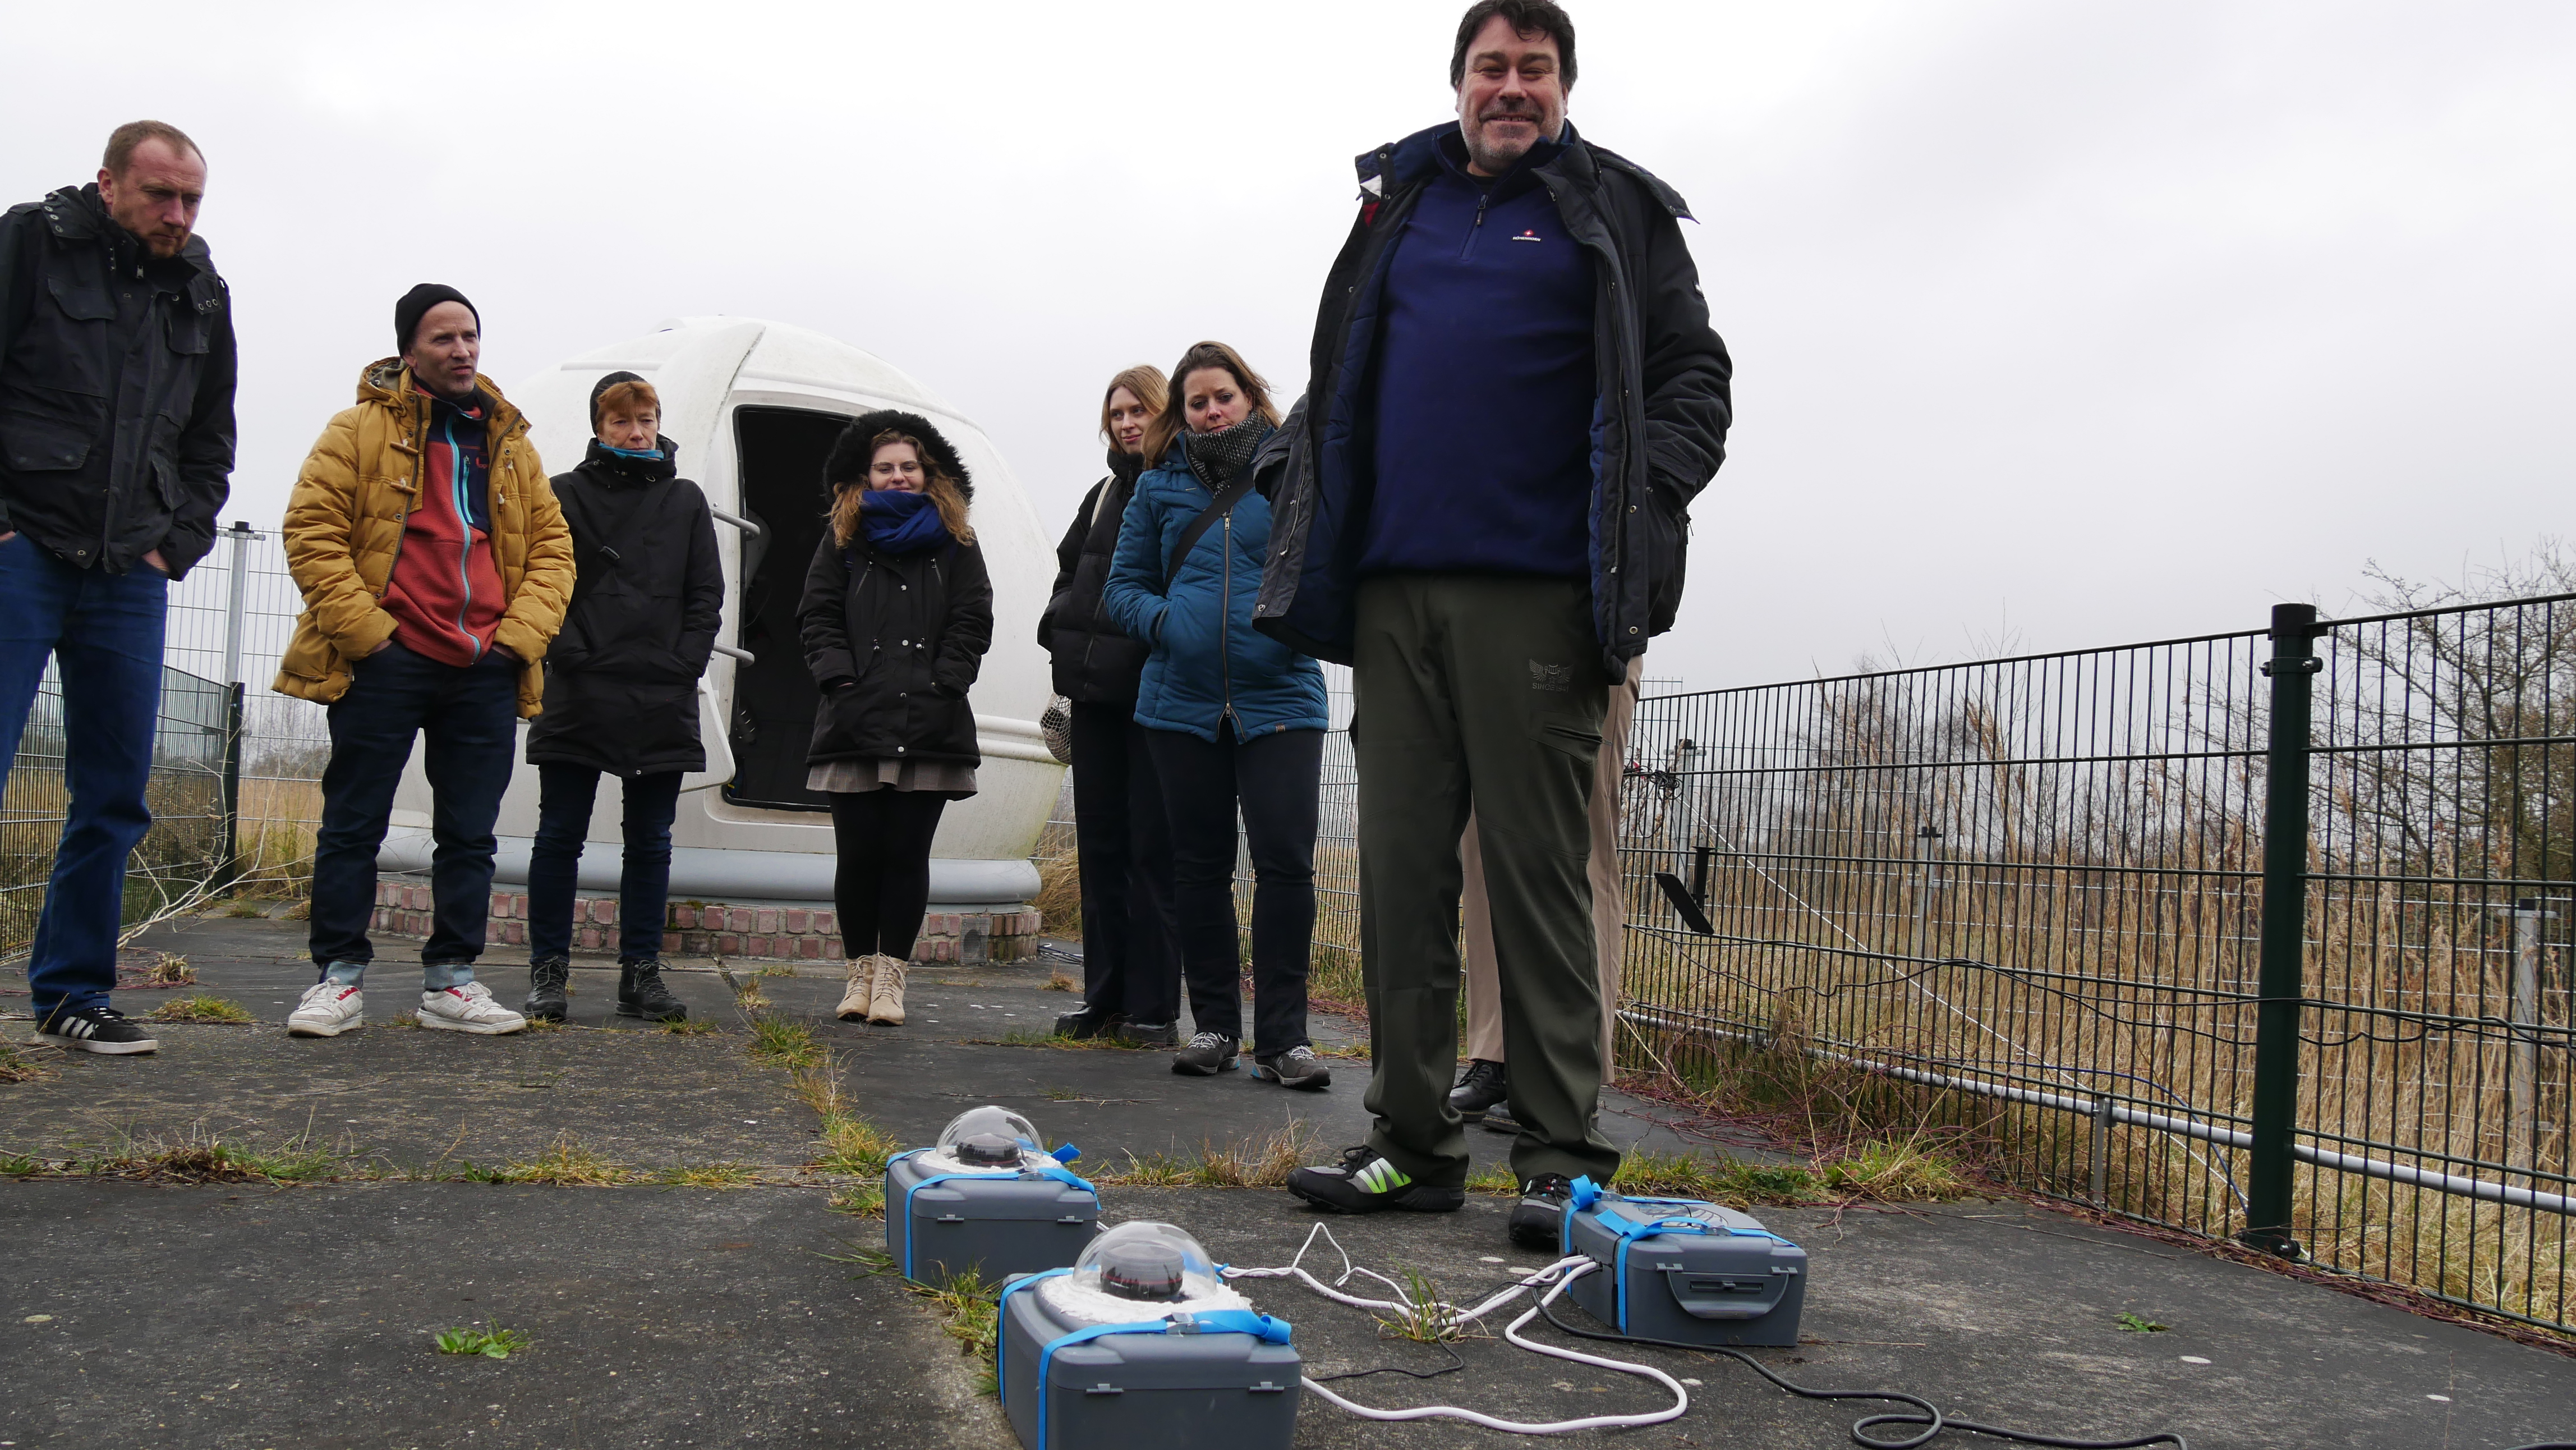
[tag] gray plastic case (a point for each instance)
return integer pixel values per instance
(1125, 1391)
(1741, 1285)
(995, 1227)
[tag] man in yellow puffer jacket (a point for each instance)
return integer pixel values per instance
(435, 567)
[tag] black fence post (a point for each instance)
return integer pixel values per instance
(228, 869)
(2282, 974)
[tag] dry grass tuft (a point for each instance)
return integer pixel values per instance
(172, 970)
(1059, 898)
(568, 1164)
(203, 1008)
(14, 1066)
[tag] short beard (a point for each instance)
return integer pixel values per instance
(1491, 160)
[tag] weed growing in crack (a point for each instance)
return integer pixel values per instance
(201, 1007)
(689, 1027)
(783, 1041)
(492, 1343)
(713, 1175)
(14, 1066)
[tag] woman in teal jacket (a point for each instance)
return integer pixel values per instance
(1234, 717)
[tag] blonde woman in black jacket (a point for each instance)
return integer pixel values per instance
(897, 615)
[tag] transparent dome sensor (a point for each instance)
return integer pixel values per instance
(990, 1136)
(1148, 1262)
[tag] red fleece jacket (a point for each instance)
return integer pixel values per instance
(445, 593)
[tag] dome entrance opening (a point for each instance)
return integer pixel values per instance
(781, 451)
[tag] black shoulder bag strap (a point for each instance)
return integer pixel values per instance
(1218, 507)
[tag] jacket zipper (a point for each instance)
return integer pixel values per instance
(1225, 629)
(456, 491)
(1631, 438)
(1467, 248)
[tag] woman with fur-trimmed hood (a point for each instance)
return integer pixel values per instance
(897, 615)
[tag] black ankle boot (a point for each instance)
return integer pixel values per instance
(640, 993)
(546, 979)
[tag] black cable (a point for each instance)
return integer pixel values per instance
(1454, 1365)
(1931, 1418)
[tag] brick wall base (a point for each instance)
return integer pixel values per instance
(705, 928)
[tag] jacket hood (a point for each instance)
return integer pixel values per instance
(76, 214)
(1416, 157)
(942, 452)
(387, 381)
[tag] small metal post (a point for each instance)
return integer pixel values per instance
(2282, 974)
(2522, 1073)
(2102, 1111)
(236, 612)
(1927, 847)
(235, 609)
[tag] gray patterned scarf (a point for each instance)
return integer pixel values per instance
(1218, 457)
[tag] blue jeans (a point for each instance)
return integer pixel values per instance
(104, 632)
(565, 794)
(470, 715)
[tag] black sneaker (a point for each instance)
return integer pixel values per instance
(1088, 1023)
(1479, 1089)
(546, 979)
(640, 993)
(1538, 1220)
(1295, 1068)
(1148, 1034)
(1363, 1182)
(102, 1030)
(1207, 1055)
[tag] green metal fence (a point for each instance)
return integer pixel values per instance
(2255, 935)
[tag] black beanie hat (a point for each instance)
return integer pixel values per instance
(415, 305)
(602, 386)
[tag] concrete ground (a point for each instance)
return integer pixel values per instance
(246, 1315)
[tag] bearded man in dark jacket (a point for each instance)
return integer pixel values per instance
(622, 690)
(116, 450)
(1131, 958)
(1514, 395)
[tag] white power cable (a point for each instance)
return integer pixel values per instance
(1552, 1280)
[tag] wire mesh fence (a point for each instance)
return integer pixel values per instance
(187, 843)
(2080, 906)
(235, 790)
(231, 619)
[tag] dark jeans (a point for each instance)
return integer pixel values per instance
(1274, 778)
(1490, 692)
(470, 715)
(565, 795)
(882, 882)
(1131, 958)
(103, 632)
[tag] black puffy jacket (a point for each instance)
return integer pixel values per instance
(896, 640)
(116, 388)
(622, 675)
(1662, 413)
(1094, 661)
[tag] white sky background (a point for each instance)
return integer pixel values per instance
(2055, 325)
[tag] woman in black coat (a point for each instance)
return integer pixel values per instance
(621, 690)
(897, 614)
(1131, 958)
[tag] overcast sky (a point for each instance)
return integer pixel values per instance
(2054, 324)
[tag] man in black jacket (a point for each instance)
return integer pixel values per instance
(116, 450)
(1514, 395)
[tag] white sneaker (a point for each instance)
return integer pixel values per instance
(469, 1008)
(328, 1009)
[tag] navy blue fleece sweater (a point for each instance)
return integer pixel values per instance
(1485, 384)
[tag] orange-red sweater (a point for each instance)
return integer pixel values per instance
(445, 593)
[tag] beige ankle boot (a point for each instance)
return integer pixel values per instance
(862, 989)
(885, 1002)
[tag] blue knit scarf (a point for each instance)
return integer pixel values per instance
(900, 523)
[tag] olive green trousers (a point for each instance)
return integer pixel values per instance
(1480, 693)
